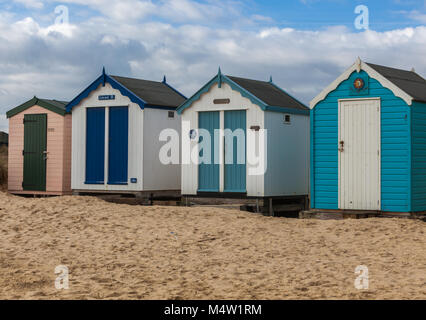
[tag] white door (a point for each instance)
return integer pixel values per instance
(359, 154)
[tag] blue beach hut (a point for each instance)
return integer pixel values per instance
(368, 141)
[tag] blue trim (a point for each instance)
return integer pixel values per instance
(287, 110)
(104, 78)
(83, 95)
(126, 92)
(113, 183)
(219, 78)
(165, 82)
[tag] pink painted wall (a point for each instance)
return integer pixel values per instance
(58, 166)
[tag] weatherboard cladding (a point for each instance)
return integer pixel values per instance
(395, 143)
(418, 172)
(408, 81)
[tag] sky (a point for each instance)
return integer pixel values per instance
(55, 49)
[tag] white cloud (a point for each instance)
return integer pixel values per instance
(32, 4)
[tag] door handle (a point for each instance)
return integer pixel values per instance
(342, 146)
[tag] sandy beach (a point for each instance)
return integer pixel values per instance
(118, 251)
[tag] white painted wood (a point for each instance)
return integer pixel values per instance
(357, 66)
(255, 117)
(78, 167)
(157, 176)
(288, 155)
(359, 159)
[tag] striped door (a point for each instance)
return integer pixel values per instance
(118, 148)
(359, 154)
(208, 173)
(35, 147)
(95, 146)
(235, 151)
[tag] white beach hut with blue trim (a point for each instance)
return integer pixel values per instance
(253, 107)
(116, 125)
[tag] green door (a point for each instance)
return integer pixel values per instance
(35, 141)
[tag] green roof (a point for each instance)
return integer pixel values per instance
(51, 105)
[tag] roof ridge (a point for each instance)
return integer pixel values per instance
(248, 79)
(397, 69)
(160, 82)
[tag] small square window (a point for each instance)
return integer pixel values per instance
(171, 114)
(287, 119)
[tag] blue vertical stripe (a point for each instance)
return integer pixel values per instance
(95, 146)
(118, 147)
(208, 173)
(235, 173)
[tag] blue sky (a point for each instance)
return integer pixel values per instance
(303, 44)
(301, 14)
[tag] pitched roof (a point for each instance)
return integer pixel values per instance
(147, 94)
(52, 105)
(152, 92)
(269, 93)
(408, 81)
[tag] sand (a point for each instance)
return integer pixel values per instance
(116, 251)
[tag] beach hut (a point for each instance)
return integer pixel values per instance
(116, 129)
(39, 148)
(368, 141)
(259, 141)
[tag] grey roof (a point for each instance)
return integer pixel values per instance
(408, 81)
(269, 93)
(152, 92)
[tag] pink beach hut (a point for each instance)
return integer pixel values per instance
(39, 148)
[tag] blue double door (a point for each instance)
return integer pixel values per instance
(234, 153)
(117, 145)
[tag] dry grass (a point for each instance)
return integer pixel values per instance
(3, 167)
(117, 251)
